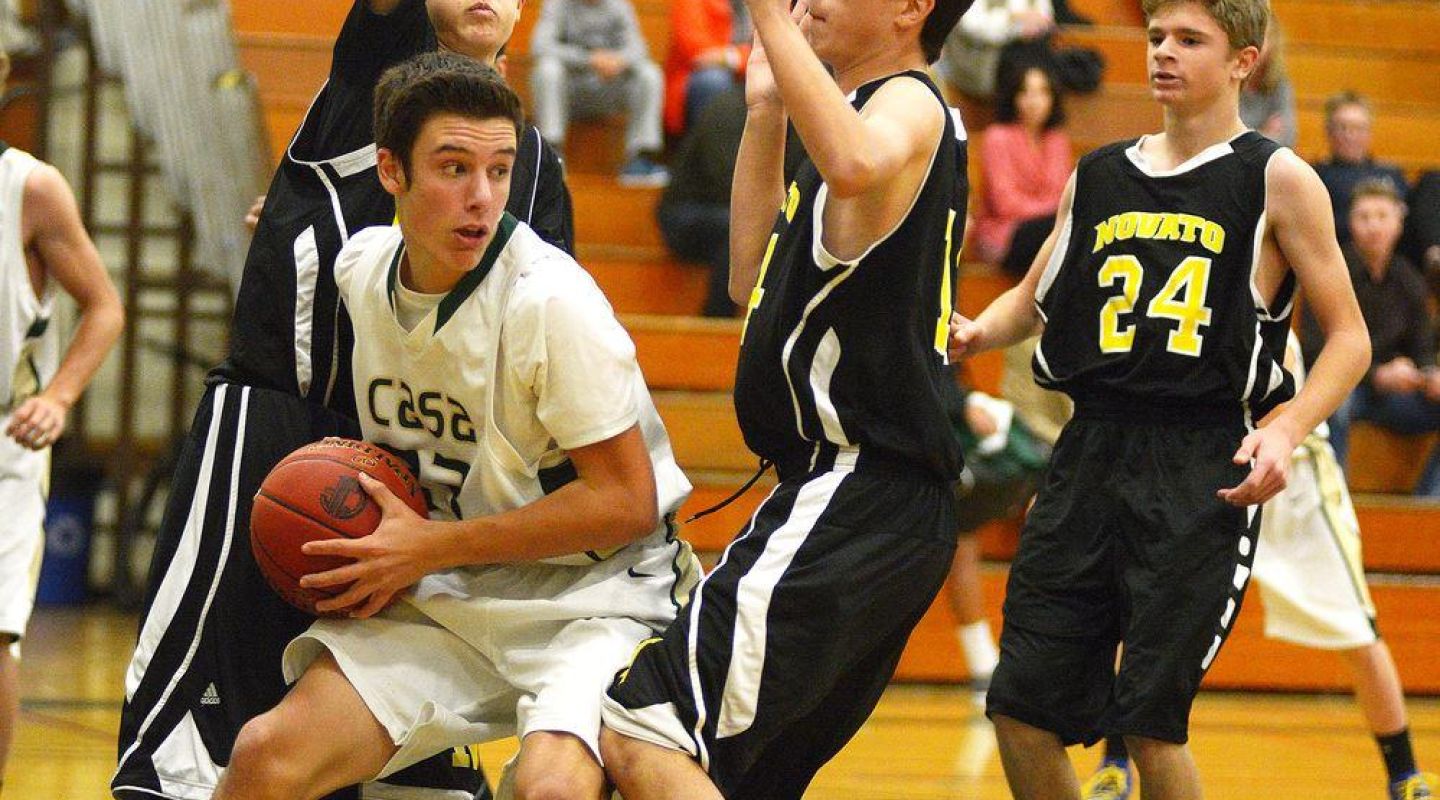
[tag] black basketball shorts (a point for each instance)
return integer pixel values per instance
(786, 647)
(212, 631)
(1127, 542)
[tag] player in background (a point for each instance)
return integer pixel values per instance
(550, 552)
(44, 250)
(1311, 575)
(843, 382)
(202, 666)
(1164, 293)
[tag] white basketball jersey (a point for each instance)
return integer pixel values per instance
(520, 362)
(29, 344)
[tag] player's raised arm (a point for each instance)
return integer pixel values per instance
(1012, 316)
(53, 229)
(856, 153)
(758, 188)
(1304, 229)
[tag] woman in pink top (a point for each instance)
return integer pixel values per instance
(1025, 160)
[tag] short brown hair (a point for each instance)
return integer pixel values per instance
(938, 25)
(1339, 100)
(1375, 187)
(1244, 21)
(413, 91)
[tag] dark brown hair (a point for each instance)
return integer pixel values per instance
(938, 25)
(413, 91)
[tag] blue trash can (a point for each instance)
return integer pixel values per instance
(69, 519)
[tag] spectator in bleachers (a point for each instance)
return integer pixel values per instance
(1348, 122)
(993, 31)
(1267, 100)
(1025, 160)
(694, 211)
(1422, 228)
(709, 47)
(1401, 390)
(591, 60)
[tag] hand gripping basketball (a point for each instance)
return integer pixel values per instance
(316, 494)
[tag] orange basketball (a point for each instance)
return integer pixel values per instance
(315, 493)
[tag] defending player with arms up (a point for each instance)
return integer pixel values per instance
(44, 250)
(1165, 293)
(494, 359)
(844, 383)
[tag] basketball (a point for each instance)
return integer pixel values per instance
(315, 493)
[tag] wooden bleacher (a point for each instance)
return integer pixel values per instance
(1383, 46)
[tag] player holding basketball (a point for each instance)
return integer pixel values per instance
(844, 383)
(1312, 581)
(1165, 292)
(495, 360)
(212, 631)
(44, 250)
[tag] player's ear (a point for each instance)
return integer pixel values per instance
(915, 12)
(1245, 61)
(392, 172)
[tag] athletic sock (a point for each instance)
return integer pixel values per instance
(1115, 750)
(978, 645)
(1399, 758)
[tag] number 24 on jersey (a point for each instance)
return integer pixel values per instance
(1182, 299)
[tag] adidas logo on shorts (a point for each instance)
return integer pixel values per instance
(210, 697)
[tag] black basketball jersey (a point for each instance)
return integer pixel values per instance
(290, 332)
(841, 355)
(1149, 298)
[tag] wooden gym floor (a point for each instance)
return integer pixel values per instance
(923, 742)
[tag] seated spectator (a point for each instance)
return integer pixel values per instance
(590, 60)
(1025, 160)
(709, 48)
(694, 211)
(971, 59)
(1267, 100)
(1348, 121)
(1401, 391)
(1422, 228)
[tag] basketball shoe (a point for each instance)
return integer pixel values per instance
(1110, 782)
(1419, 786)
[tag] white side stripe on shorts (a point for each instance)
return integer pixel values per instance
(752, 604)
(172, 588)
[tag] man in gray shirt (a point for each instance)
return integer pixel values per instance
(591, 60)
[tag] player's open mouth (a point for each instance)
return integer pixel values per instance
(1164, 78)
(472, 236)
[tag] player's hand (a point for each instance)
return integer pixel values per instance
(1267, 451)
(966, 337)
(1033, 24)
(38, 422)
(1432, 384)
(387, 562)
(760, 88)
(252, 217)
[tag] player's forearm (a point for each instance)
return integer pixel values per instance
(99, 328)
(1340, 366)
(836, 139)
(577, 517)
(757, 193)
(1008, 319)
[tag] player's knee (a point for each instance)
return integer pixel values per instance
(550, 786)
(618, 752)
(262, 758)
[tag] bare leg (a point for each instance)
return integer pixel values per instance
(557, 766)
(321, 737)
(1035, 763)
(1167, 770)
(644, 771)
(977, 642)
(1377, 688)
(9, 700)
